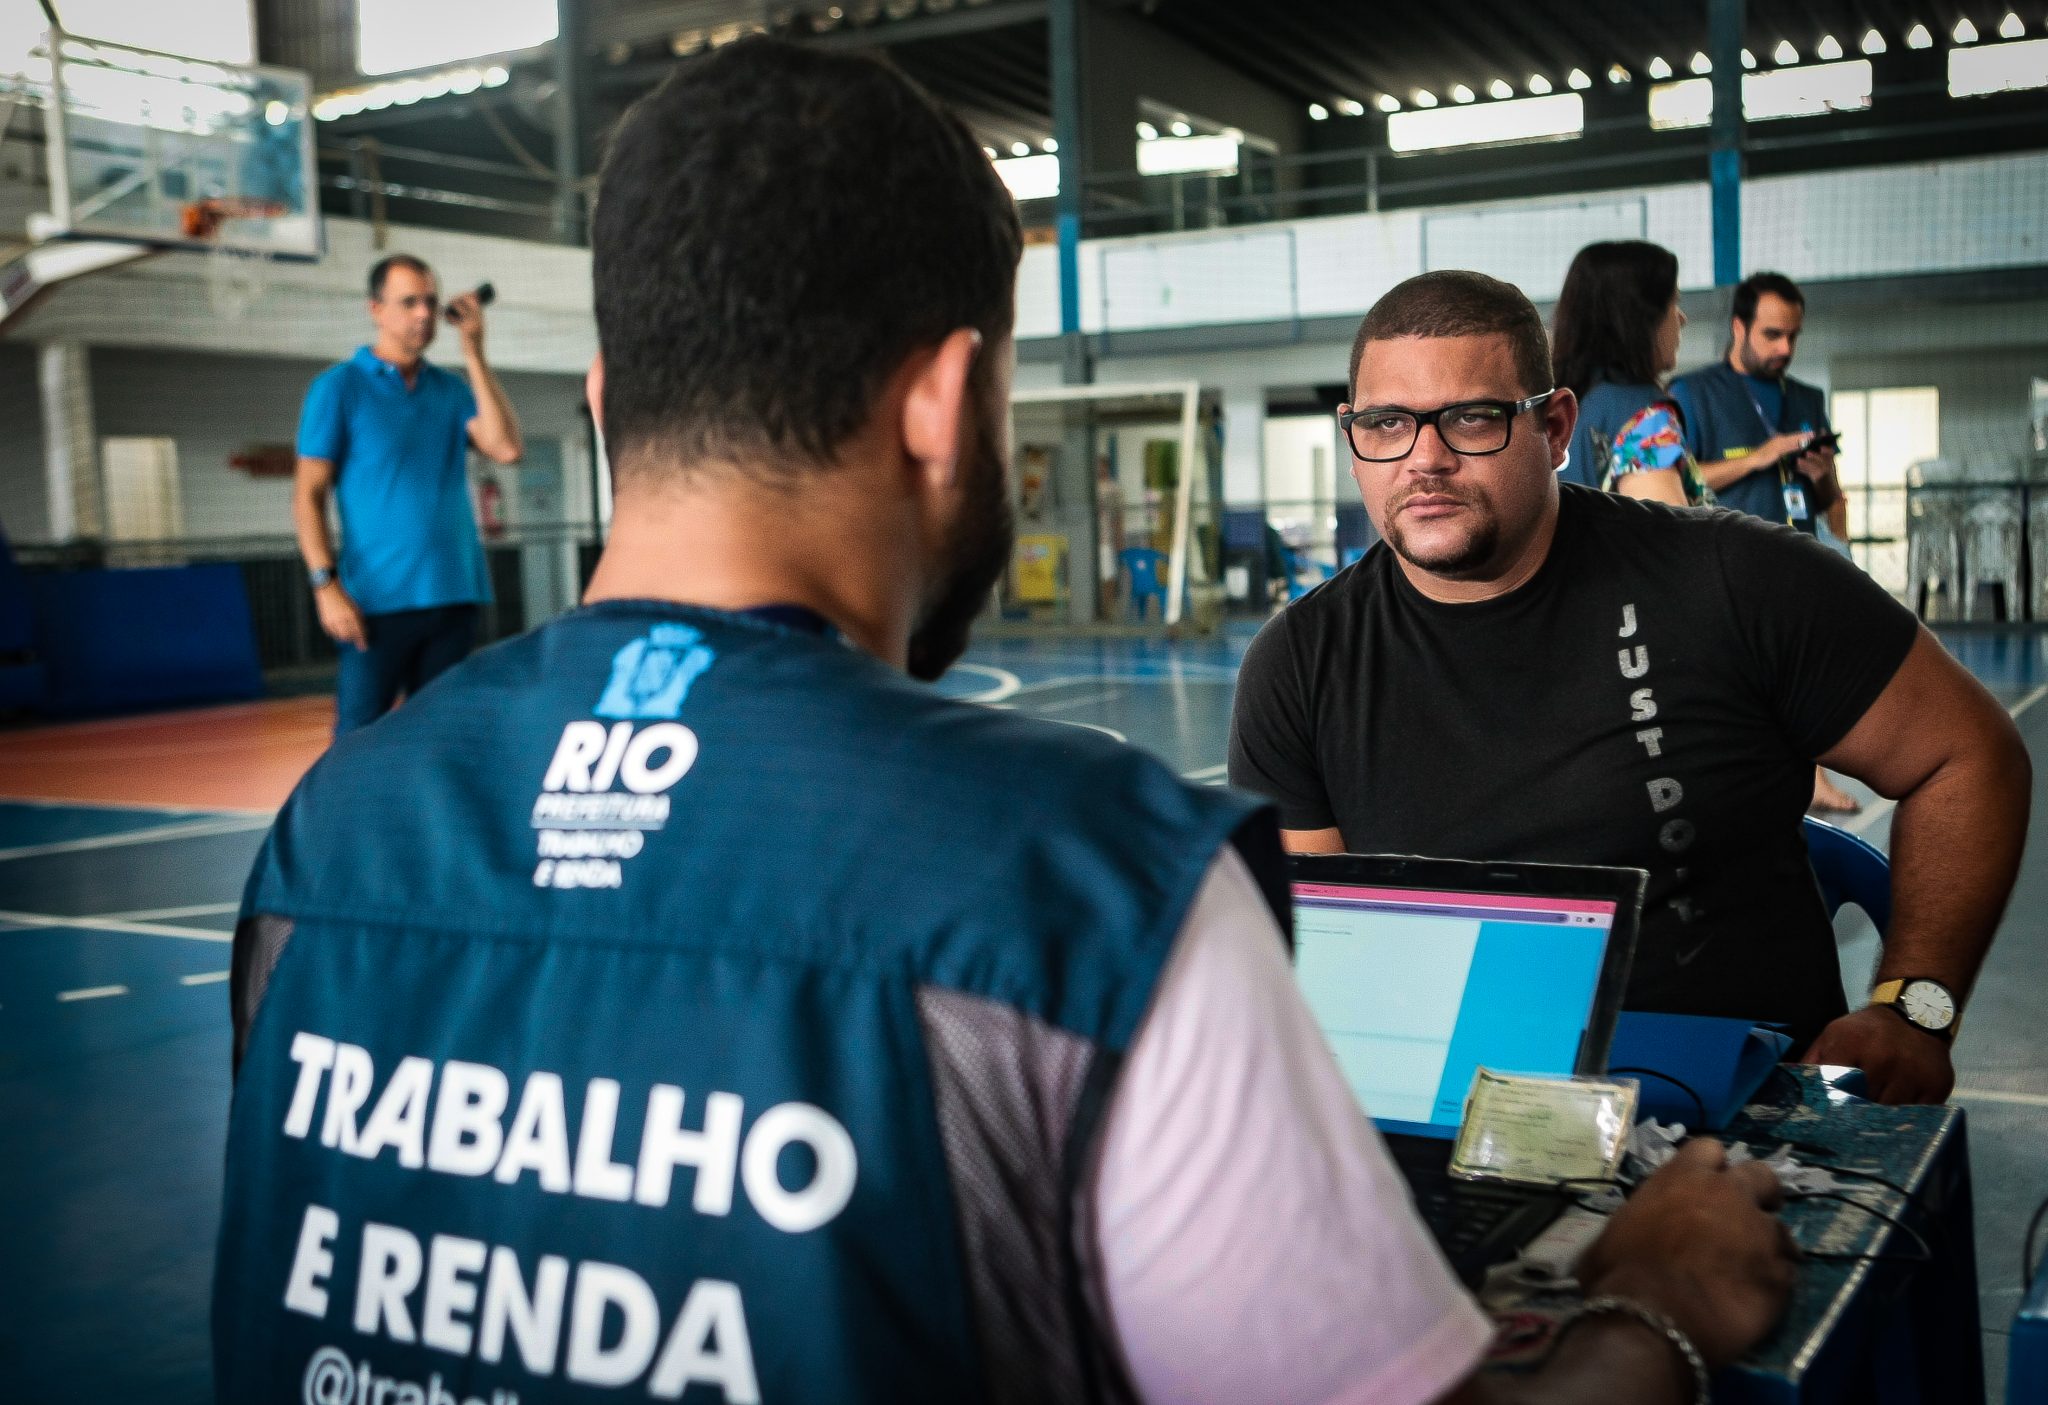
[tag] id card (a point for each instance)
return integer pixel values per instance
(1795, 503)
(1540, 1131)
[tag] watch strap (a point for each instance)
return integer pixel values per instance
(319, 576)
(1892, 995)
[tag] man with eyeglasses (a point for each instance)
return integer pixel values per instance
(1538, 671)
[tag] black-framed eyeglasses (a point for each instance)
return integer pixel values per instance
(1383, 433)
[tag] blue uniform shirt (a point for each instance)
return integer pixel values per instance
(401, 456)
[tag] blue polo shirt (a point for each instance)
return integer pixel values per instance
(401, 458)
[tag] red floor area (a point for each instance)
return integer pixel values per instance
(244, 757)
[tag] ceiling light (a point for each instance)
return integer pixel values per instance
(1748, 59)
(1316, 113)
(1018, 148)
(495, 77)
(1181, 129)
(1873, 43)
(1424, 98)
(1578, 80)
(1829, 49)
(2010, 27)
(1048, 146)
(1784, 53)
(989, 152)
(1499, 88)
(1350, 107)
(1919, 38)
(1538, 84)
(1965, 32)
(1389, 103)
(1148, 132)
(1461, 93)
(1701, 64)
(1616, 74)
(1659, 69)
(466, 80)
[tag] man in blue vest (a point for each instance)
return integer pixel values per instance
(680, 1000)
(1751, 427)
(387, 435)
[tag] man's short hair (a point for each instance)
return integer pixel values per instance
(381, 270)
(1455, 302)
(777, 228)
(1750, 291)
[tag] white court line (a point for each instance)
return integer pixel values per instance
(92, 992)
(150, 914)
(113, 924)
(191, 829)
(1112, 733)
(1006, 683)
(1993, 1095)
(1878, 809)
(43, 802)
(1082, 701)
(203, 978)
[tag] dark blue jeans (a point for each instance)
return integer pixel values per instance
(408, 650)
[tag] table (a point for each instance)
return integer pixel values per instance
(1885, 1328)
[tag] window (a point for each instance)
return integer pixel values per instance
(393, 36)
(1488, 124)
(1807, 91)
(1884, 433)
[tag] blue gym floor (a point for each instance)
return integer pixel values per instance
(114, 926)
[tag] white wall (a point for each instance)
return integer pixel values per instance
(1869, 222)
(541, 320)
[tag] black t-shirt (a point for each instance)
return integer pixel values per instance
(1653, 697)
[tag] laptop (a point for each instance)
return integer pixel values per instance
(1422, 971)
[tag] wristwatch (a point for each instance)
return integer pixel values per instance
(1923, 1003)
(320, 576)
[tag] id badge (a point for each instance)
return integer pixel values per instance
(1795, 503)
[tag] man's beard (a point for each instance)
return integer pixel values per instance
(1764, 367)
(975, 559)
(1478, 550)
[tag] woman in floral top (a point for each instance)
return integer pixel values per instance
(1613, 340)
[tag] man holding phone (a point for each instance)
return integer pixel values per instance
(388, 435)
(1762, 439)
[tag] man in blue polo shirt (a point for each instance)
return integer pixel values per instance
(388, 436)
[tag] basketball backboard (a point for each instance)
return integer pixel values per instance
(178, 153)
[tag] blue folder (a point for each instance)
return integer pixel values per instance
(1723, 1061)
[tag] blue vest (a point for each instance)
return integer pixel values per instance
(1602, 412)
(672, 999)
(1723, 416)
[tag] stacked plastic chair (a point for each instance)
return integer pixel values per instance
(1934, 536)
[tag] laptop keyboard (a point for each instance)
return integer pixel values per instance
(1462, 1215)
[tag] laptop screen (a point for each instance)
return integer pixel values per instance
(1415, 989)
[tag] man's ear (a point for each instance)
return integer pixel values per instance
(593, 392)
(936, 404)
(1560, 418)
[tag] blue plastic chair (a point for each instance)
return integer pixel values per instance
(1850, 870)
(1145, 568)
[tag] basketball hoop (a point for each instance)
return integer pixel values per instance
(237, 269)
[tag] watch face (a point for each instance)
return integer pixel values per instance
(1928, 1004)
